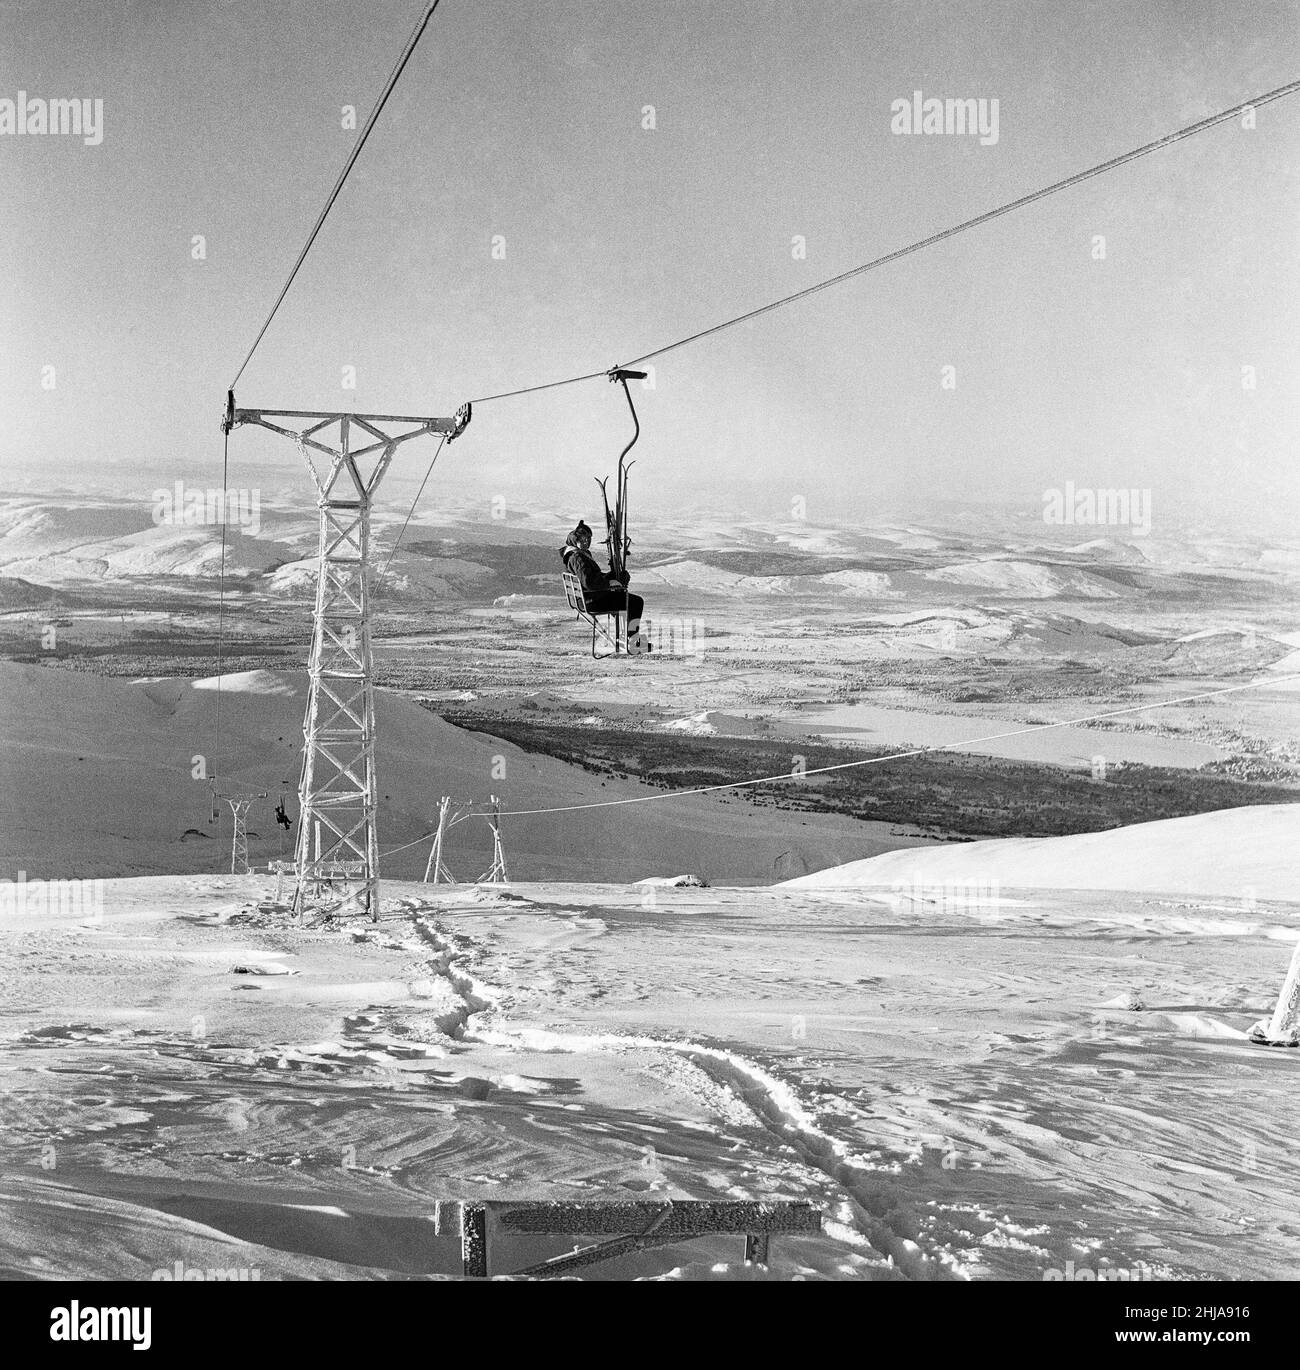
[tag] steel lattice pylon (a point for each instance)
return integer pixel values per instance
(336, 860)
(239, 807)
(239, 837)
(497, 875)
(435, 871)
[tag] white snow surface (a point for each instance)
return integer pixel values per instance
(246, 682)
(950, 1087)
(1243, 853)
(1025, 579)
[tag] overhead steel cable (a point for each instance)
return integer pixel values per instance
(398, 542)
(547, 385)
(987, 217)
(879, 760)
(411, 43)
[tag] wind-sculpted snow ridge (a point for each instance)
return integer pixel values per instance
(775, 1105)
(735, 1088)
(964, 1087)
(1246, 852)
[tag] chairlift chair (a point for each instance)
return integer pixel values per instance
(614, 630)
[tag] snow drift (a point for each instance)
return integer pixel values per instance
(1240, 853)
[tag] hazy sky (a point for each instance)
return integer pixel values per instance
(523, 119)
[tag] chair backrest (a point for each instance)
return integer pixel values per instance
(573, 592)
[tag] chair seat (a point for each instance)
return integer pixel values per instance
(577, 602)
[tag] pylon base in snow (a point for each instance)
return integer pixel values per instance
(1261, 1036)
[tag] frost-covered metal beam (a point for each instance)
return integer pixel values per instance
(631, 1226)
(685, 1218)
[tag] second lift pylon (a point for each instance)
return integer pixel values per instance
(498, 874)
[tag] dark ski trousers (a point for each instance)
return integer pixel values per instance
(611, 602)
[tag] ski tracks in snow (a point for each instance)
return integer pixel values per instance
(736, 1088)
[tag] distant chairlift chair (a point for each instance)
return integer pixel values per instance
(614, 627)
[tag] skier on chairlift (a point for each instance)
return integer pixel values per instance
(604, 592)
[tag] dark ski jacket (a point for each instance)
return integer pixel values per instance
(583, 565)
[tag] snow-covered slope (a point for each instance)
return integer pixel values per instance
(957, 1099)
(1025, 580)
(97, 777)
(1237, 853)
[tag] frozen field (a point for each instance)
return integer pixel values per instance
(967, 1088)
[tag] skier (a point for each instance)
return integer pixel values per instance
(603, 591)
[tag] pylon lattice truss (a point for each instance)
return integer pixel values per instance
(239, 836)
(435, 871)
(497, 875)
(239, 807)
(336, 860)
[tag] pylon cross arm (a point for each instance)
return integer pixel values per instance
(323, 419)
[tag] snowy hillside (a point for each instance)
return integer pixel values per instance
(96, 778)
(1235, 853)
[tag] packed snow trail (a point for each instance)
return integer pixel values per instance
(771, 1101)
(1015, 1121)
(988, 1088)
